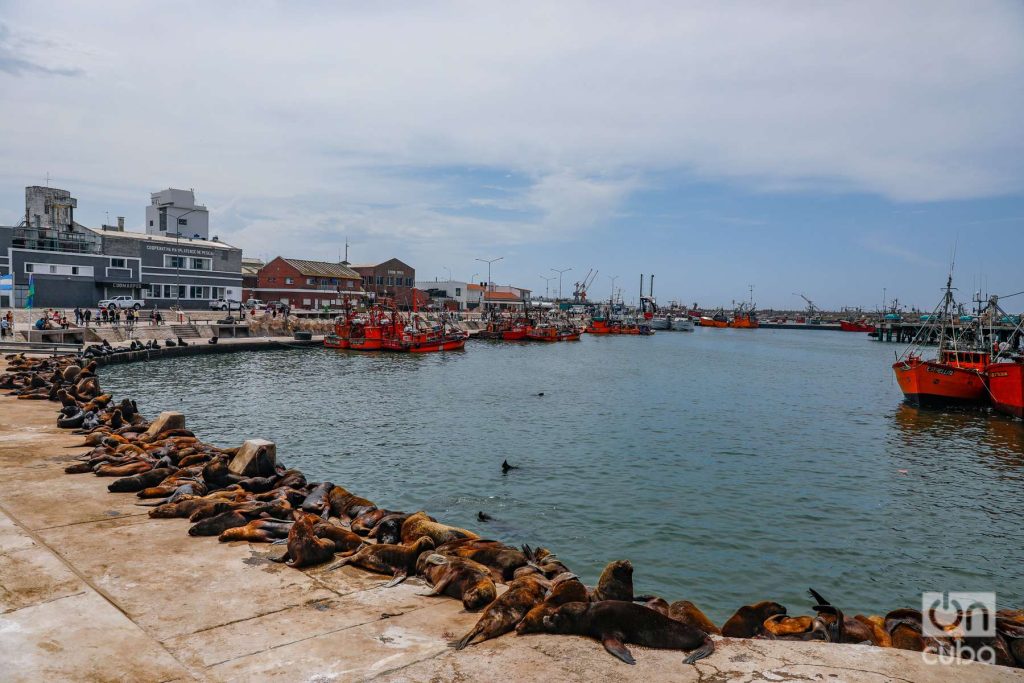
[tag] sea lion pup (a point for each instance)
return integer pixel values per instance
(616, 582)
(502, 615)
(344, 540)
(879, 636)
(615, 623)
(748, 621)
(385, 558)
(458, 578)
(304, 548)
(257, 531)
(686, 612)
(316, 500)
(904, 628)
(347, 506)
(502, 560)
(420, 524)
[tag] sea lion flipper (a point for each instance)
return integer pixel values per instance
(440, 585)
(701, 652)
(613, 643)
(399, 578)
(466, 639)
(817, 596)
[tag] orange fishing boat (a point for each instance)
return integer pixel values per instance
(414, 335)
(860, 326)
(339, 338)
(572, 334)
(717, 320)
(1006, 385)
(955, 377)
(543, 333)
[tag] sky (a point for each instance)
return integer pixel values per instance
(840, 150)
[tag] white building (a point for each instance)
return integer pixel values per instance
(446, 290)
(175, 212)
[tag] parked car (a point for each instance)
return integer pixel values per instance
(122, 302)
(225, 305)
(276, 306)
(254, 303)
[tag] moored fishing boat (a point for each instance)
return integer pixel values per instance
(682, 324)
(544, 332)
(1006, 386)
(717, 320)
(745, 318)
(660, 322)
(859, 326)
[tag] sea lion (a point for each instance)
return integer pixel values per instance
(385, 558)
(748, 621)
(879, 636)
(565, 588)
(344, 540)
(506, 611)
(345, 505)
(615, 623)
(137, 467)
(138, 482)
(459, 578)
(501, 559)
(545, 561)
(389, 529)
(420, 524)
(316, 500)
(218, 524)
(257, 531)
(304, 547)
(686, 612)
(365, 522)
(785, 627)
(616, 582)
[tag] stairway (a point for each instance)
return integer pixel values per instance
(185, 331)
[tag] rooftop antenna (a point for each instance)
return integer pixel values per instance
(346, 248)
(47, 178)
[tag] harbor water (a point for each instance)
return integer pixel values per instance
(730, 466)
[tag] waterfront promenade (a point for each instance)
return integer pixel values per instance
(91, 588)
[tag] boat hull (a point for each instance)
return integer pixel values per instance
(847, 326)
(1006, 384)
(515, 335)
(335, 342)
(711, 322)
(680, 325)
(930, 384)
(364, 344)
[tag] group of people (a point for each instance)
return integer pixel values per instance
(7, 325)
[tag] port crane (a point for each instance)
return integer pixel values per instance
(812, 309)
(579, 293)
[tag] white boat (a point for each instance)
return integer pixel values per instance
(682, 324)
(660, 322)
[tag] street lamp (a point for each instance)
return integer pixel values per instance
(490, 287)
(556, 270)
(547, 281)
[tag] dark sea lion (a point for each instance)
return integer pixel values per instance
(545, 561)
(345, 505)
(616, 582)
(367, 520)
(904, 628)
(686, 612)
(501, 559)
(748, 621)
(344, 540)
(657, 604)
(257, 531)
(258, 484)
(218, 524)
(389, 529)
(615, 623)
(385, 558)
(304, 548)
(459, 578)
(137, 467)
(316, 500)
(506, 611)
(139, 482)
(565, 588)
(419, 524)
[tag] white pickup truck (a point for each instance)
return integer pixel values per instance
(225, 305)
(122, 302)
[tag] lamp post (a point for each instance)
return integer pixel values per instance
(611, 299)
(177, 244)
(547, 281)
(556, 270)
(490, 286)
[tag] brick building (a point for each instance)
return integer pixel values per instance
(392, 279)
(308, 284)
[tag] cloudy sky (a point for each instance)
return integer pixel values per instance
(826, 148)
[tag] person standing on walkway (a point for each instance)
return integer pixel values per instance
(3, 327)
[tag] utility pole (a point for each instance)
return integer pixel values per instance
(490, 286)
(556, 270)
(547, 281)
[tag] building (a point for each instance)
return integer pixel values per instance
(250, 277)
(71, 265)
(448, 294)
(308, 284)
(391, 279)
(501, 297)
(175, 212)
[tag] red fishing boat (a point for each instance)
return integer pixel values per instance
(544, 333)
(338, 339)
(416, 335)
(571, 334)
(367, 330)
(956, 376)
(1006, 385)
(860, 326)
(717, 320)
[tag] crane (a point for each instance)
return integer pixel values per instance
(580, 291)
(811, 308)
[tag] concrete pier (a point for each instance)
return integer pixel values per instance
(92, 589)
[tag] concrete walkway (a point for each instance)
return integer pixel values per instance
(91, 589)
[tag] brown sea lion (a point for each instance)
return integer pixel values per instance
(366, 521)
(565, 588)
(385, 558)
(257, 531)
(616, 582)
(345, 505)
(879, 636)
(657, 604)
(127, 469)
(420, 524)
(304, 547)
(688, 613)
(459, 578)
(748, 621)
(615, 623)
(389, 528)
(545, 561)
(785, 627)
(344, 540)
(501, 559)
(216, 525)
(316, 500)
(506, 611)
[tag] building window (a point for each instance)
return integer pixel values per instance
(391, 281)
(118, 263)
(310, 281)
(163, 220)
(174, 261)
(307, 302)
(195, 292)
(30, 267)
(202, 264)
(458, 291)
(380, 279)
(289, 281)
(348, 284)
(151, 224)
(408, 282)
(182, 221)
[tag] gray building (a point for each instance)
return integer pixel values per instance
(72, 265)
(175, 213)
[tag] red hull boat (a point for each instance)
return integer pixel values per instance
(954, 382)
(1006, 385)
(862, 326)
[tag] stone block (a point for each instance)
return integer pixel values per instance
(167, 420)
(256, 458)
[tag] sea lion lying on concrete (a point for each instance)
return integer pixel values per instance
(420, 524)
(565, 588)
(459, 578)
(506, 611)
(748, 621)
(347, 506)
(501, 559)
(385, 558)
(686, 612)
(304, 547)
(257, 531)
(615, 623)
